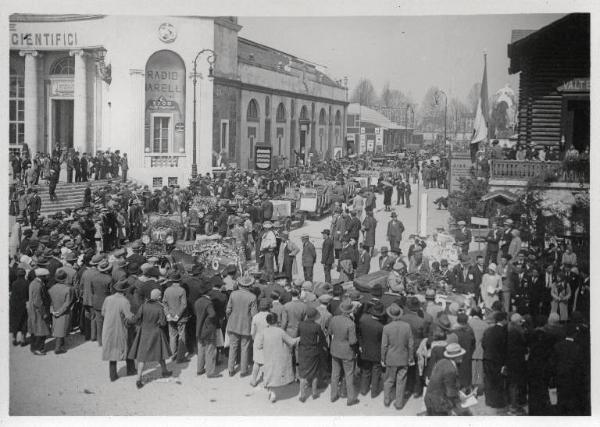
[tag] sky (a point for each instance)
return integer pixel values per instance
(413, 53)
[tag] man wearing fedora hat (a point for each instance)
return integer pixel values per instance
(309, 257)
(61, 303)
(241, 307)
(84, 291)
(342, 331)
(100, 289)
(176, 309)
(38, 311)
(397, 354)
(117, 330)
(206, 333)
(394, 231)
(327, 254)
(370, 326)
(443, 397)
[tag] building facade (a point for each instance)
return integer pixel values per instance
(266, 97)
(97, 83)
(369, 130)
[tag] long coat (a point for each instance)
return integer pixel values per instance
(117, 316)
(61, 297)
(19, 293)
(276, 346)
(442, 391)
(369, 225)
(397, 344)
(241, 307)
(466, 339)
(309, 255)
(259, 323)
(38, 309)
(311, 347)
(150, 343)
(394, 232)
(370, 333)
(327, 252)
(338, 229)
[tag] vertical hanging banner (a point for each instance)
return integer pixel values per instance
(262, 158)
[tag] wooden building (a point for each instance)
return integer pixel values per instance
(554, 92)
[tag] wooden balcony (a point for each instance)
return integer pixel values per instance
(523, 170)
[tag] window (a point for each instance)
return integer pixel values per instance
(157, 182)
(338, 118)
(321, 135)
(267, 106)
(172, 181)
(337, 137)
(304, 113)
(293, 109)
(280, 116)
(322, 119)
(252, 113)
(224, 137)
(279, 140)
(64, 66)
(16, 110)
(252, 138)
(161, 134)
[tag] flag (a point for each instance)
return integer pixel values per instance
(480, 127)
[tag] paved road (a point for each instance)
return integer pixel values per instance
(76, 383)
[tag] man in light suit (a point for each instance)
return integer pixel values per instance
(342, 330)
(397, 350)
(309, 257)
(241, 307)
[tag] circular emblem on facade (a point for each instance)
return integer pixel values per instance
(167, 33)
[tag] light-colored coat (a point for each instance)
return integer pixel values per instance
(241, 308)
(117, 312)
(338, 229)
(61, 297)
(397, 344)
(37, 310)
(259, 323)
(369, 225)
(276, 346)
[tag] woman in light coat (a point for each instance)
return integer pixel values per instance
(491, 286)
(259, 323)
(515, 244)
(560, 290)
(276, 346)
(117, 314)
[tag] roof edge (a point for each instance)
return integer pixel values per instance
(32, 17)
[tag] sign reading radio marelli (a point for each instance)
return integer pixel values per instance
(262, 158)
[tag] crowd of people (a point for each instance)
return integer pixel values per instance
(511, 325)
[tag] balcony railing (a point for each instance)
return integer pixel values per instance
(523, 170)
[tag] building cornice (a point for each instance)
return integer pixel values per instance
(30, 17)
(273, 91)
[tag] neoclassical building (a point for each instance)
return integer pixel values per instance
(97, 82)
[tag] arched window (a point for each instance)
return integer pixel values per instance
(304, 113)
(267, 106)
(338, 118)
(64, 66)
(322, 118)
(280, 117)
(252, 113)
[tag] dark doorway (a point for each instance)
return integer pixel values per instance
(62, 123)
(580, 120)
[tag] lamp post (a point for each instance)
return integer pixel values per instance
(437, 94)
(211, 60)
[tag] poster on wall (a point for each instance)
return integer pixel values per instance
(262, 158)
(165, 103)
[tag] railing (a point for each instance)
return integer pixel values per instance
(523, 170)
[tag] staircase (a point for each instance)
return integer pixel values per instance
(68, 195)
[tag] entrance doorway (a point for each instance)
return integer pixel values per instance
(62, 124)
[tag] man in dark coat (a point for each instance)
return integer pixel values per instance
(83, 165)
(327, 255)
(494, 343)
(516, 364)
(568, 366)
(35, 204)
(267, 209)
(414, 383)
(342, 330)
(18, 296)
(100, 289)
(353, 226)
(241, 307)
(397, 354)
(309, 257)
(394, 232)
(370, 330)
(492, 239)
(442, 397)
(206, 334)
(466, 339)
(364, 262)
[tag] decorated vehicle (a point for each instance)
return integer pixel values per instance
(215, 252)
(161, 234)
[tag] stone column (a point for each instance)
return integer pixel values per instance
(80, 139)
(31, 100)
(136, 143)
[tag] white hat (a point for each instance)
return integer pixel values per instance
(42, 272)
(492, 267)
(454, 350)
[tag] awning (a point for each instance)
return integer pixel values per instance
(501, 196)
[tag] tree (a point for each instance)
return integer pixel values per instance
(364, 92)
(457, 111)
(466, 202)
(431, 111)
(473, 97)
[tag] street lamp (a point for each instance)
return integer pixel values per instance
(211, 60)
(437, 95)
